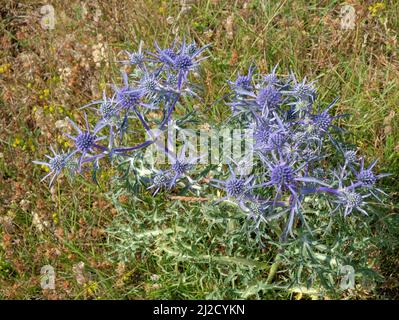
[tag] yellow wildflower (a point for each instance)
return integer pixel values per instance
(55, 218)
(17, 142)
(376, 8)
(91, 288)
(5, 67)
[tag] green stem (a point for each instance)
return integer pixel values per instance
(273, 269)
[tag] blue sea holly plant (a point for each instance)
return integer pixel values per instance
(304, 182)
(302, 164)
(294, 143)
(156, 84)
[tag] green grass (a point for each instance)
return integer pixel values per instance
(359, 66)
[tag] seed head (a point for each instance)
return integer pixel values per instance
(84, 141)
(350, 156)
(57, 163)
(269, 97)
(351, 199)
(235, 187)
(366, 177)
(183, 62)
(282, 174)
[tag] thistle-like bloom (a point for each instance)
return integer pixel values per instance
(55, 164)
(181, 164)
(302, 90)
(135, 57)
(149, 84)
(271, 78)
(256, 210)
(162, 179)
(350, 156)
(268, 98)
(286, 175)
(165, 56)
(366, 178)
(236, 187)
(301, 107)
(351, 201)
(184, 62)
(243, 82)
(126, 97)
(86, 141)
(106, 110)
(261, 133)
(322, 120)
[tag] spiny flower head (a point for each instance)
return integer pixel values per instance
(56, 164)
(366, 177)
(162, 179)
(128, 98)
(276, 139)
(303, 90)
(350, 156)
(268, 97)
(183, 62)
(235, 187)
(180, 167)
(135, 57)
(351, 200)
(107, 109)
(302, 107)
(271, 78)
(323, 121)
(165, 56)
(85, 141)
(282, 174)
(243, 82)
(149, 84)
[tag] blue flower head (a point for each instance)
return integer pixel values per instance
(56, 164)
(268, 98)
(127, 98)
(236, 187)
(243, 82)
(136, 57)
(86, 141)
(351, 201)
(162, 179)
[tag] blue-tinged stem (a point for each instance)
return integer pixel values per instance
(139, 146)
(328, 190)
(171, 108)
(354, 185)
(319, 190)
